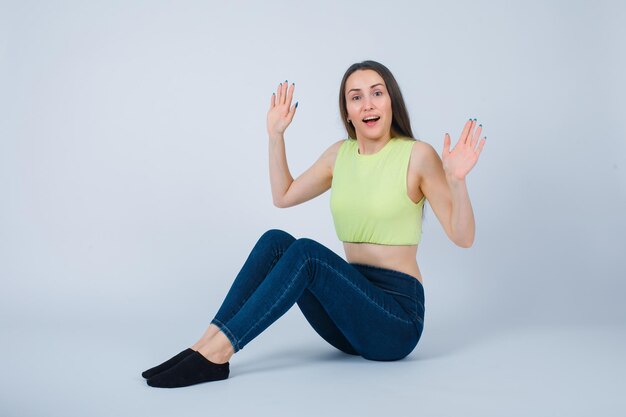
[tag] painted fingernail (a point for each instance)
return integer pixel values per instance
(296, 104)
(474, 119)
(480, 125)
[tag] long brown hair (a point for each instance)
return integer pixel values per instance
(400, 123)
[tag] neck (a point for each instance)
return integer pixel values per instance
(371, 146)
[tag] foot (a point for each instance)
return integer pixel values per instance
(208, 334)
(194, 369)
(167, 364)
(218, 349)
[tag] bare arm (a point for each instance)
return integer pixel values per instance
(286, 191)
(280, 177)
(443, 183)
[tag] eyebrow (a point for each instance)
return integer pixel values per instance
(358, 89)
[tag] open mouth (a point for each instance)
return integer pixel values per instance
(371, 121)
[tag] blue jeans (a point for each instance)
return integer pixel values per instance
(364, 310)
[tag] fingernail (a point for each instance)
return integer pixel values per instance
(296, 104)
(474, 119)
(480, 125)
(470, 119)
(285, 80)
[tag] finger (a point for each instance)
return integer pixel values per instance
(466, 129)
(290, 94)
(446, 145)
(273, 101)
(278, 93)
(475, 137)
(481, 145)
(292, 111)
(284, 87)
(470, 134)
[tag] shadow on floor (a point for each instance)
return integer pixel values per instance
(449, 338)
(441, 341)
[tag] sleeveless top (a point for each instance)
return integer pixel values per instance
(369, 201)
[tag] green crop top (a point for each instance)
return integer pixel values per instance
(368, 197)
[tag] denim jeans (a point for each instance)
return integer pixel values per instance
(364, 310)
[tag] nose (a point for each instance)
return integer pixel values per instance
(367, 103)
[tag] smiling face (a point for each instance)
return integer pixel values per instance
(368, 105)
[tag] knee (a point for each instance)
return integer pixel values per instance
(306, 247)
(306, 243)
(277, 236)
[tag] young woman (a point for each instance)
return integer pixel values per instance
(371, 305)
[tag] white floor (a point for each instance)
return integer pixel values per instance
(94, 370)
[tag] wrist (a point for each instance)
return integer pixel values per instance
(274, 136)
(454, 181)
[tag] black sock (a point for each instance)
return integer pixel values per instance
(167, 364)
(194, 369)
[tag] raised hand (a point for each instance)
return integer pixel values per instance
(458, 162)
(281, 111)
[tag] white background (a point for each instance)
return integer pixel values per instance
(134, 169)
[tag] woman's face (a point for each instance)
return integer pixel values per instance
(368, 105)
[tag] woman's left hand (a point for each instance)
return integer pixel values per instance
(459, 162)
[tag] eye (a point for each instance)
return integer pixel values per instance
(378, 93)
(355, 98)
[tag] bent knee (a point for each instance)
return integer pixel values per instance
(306, 243)
(277, 235)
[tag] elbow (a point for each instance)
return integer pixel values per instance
(462, 240)
(281, 203)
(464, 243)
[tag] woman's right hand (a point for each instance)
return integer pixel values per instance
(281, 111)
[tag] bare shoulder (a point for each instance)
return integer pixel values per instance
(330, 154)
(334, 148)
(423, 158)
(422, 150)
